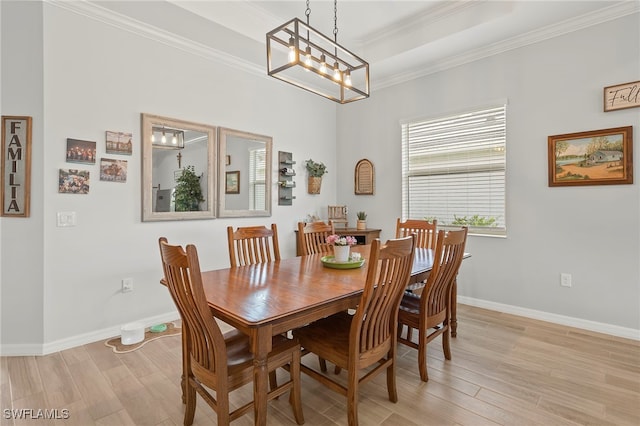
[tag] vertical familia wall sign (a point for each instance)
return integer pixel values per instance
(16, 166)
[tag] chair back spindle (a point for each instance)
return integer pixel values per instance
(425, 231)
(312, 237)
(252, 245)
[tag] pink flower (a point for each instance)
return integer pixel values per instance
(337, 240)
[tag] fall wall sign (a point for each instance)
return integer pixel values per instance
(621, 96)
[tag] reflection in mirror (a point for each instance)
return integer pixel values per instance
(178, 169)
(244, 181)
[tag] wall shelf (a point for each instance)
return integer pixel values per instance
(285, 178)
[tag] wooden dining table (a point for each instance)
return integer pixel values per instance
(268, 299)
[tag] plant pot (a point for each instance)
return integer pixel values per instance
(341, 253)
(361, 225)
(314, 185)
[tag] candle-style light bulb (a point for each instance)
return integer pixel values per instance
(323, 64)
(307, 56)
(347, 78)
(292, 50)
(164, 138)
(336, 72)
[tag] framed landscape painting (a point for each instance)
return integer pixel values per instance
(598, 157)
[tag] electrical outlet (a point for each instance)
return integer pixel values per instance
(127, 285)
(565, 279)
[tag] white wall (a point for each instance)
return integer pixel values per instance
(22, 265)
(78, 77)
(61, 286)
(593, 232)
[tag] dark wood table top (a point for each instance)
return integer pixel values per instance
(271, 292)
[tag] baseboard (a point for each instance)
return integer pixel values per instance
(103, 334)
(81, 339)
(614, 330)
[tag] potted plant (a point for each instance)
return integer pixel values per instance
(316, 171)
(362, 221)
(188, 192)
(341, 246)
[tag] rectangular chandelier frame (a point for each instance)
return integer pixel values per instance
(296, 53)
(170, 135)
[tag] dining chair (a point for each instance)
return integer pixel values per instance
(338, 215)
(217, 361)
(250, 245)
(429, 312)
(312, 237)
(368, 337)
(426, 237)
(424, 230)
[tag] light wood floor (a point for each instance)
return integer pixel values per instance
(506, 370)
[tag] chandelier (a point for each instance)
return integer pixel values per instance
(303, 56)
(165, 137)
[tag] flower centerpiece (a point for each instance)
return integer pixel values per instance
(341, 246)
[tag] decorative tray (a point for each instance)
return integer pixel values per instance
(330, 262)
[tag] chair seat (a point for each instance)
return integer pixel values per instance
(328, 336)
(239, 354)
(410, 303)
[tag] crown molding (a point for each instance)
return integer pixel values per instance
(565, 27)
(123, 22)
(427, 18)
(115, 19)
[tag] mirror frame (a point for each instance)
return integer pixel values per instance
(223, 134)
(147, 122)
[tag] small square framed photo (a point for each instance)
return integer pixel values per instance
(119, 143)
(79, 151)
(598, 157)
(112, 170)
(73, 181)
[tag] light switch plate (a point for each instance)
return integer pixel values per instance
(66, 219)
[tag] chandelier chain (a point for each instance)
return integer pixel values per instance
(307, 12)
(335, 20)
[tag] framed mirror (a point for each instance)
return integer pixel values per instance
(244, 179)
(178, 169)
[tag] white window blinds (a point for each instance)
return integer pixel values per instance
(453, 170)
(257, 179)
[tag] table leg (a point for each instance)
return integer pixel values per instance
(261, 348)
(453, 323)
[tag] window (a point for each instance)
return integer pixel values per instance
(453, 170)
(257, 178)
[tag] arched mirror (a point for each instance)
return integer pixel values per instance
(244, 179)
(178, 169)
